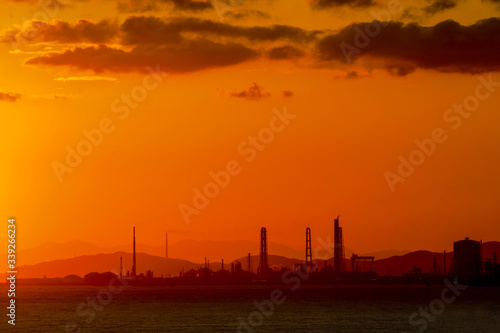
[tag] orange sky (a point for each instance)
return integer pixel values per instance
(352, 122)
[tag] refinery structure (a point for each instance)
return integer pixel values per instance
(466, 267)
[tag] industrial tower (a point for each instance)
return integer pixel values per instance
(134, 267)
(263, 263)
(308, 248)
(338, 252)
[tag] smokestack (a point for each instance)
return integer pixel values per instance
(263, 263)
(308, 247)
(134, 267)
(336, 250)
(166, 245)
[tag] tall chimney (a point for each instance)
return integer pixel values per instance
(263, 261)
(134, 267)
(308, 248)
(336, 250)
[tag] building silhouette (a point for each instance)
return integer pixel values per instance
(467, 260)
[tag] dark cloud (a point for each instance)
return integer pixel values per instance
(252, 93)
(352, 75)
(186, 56)
(145, 30)
(192, 5)
(447, 46)
(82, 31)
(152, 30)
(155, 30)
(433, 7)
(178, 44)
(140, 6)
(440, 6)
(320, 4)
(285, 52)
(9, 97)
(246, 13)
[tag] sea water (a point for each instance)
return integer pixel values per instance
(336, 308)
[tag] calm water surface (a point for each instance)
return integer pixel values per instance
(223, 309)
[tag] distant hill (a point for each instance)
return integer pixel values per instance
(384, 254)
(197, 250)
(191, 250)
(398, 265)
(81, 265)
(274, 261)
(395, 265)
(109, 262)
(489, 248)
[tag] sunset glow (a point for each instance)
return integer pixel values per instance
(117, 113)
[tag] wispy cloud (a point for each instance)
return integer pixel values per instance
(9, 96)
(86, 78)
(15, 96)
(83, 31)
(252, 93)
